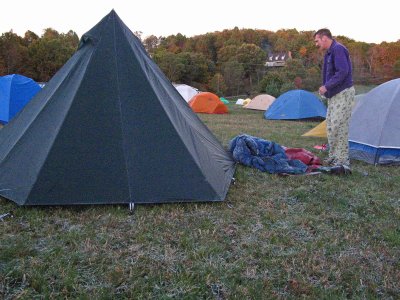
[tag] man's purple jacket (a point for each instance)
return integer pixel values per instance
(337, 71)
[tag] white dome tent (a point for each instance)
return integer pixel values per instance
(186, 91)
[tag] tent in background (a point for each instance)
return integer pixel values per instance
(186, 91)
(374, 133)
(295, 105)
(15, 92)
(317, 131)
(111, 128)
(261, 102)
(239, 101)
(226, 101)
(208, 103)
(320, 129)
(246, 101)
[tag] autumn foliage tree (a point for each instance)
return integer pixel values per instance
(49, 53)
(231, 61)
(36, 57)
(13, 53)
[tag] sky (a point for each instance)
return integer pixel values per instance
(365, 21)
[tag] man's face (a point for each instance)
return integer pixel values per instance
(320, 41)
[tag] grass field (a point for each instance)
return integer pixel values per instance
(321, 237)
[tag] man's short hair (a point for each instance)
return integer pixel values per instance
(323, 32)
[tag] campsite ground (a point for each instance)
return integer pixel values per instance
(274, 237)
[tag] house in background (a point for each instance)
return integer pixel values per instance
(278, 59)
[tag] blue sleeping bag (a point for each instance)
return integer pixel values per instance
(264, 155)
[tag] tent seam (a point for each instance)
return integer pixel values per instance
(120, 112)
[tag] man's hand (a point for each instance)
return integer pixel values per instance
(322, 90)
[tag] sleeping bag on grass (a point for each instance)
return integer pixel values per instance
(264, 155)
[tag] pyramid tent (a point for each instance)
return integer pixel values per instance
(261, 102)
(110, 128)
(374, 132)
(15, 92)
(320, 129)
(186, 91)
(295, 105)
(208, 103)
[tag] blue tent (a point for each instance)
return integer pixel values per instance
(294, 105)
(15, 92)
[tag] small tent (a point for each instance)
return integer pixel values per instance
(239, 101)
(111, 128)
(15, 92)
(226, 101)
(320, 129)
(261, 102)
(208, 103)
(295, 105)
(186, 91)
(374, 132)
(317, 131)
(246, 102)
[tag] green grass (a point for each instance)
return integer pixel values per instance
(325, 237)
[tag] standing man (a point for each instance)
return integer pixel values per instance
(338, 89)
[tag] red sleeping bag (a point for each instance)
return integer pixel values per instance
(305, 156)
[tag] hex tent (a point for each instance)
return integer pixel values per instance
(374, 131)
(295, 105)
(110, 128)
(15, 92)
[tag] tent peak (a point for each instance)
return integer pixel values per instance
(95, 33)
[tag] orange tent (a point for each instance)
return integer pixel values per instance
(207, 103)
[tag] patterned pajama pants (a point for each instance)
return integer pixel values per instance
(337, 125)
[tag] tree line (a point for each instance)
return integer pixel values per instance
(230, 62)
(36, 57)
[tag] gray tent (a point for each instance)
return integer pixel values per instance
(374, 133)
(109, 127)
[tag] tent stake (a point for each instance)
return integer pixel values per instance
(3, 216)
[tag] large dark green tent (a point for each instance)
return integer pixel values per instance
(109, 127)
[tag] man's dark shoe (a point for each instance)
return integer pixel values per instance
(341, 170)
(335, 170)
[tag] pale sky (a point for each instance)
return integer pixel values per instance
(366, 21)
